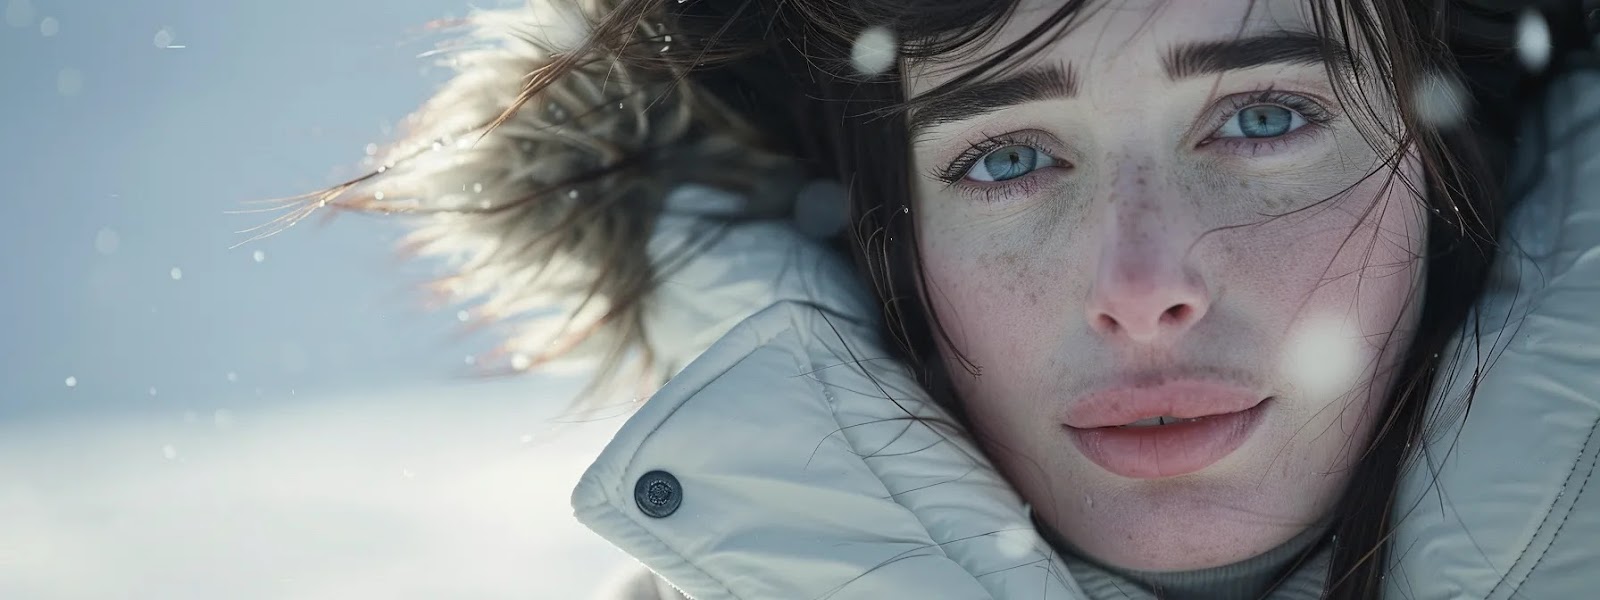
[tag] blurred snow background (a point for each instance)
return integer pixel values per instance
(280, 420)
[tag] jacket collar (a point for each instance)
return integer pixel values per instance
(792, 476)
(776, 465)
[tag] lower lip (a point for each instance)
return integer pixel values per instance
(1167, 450)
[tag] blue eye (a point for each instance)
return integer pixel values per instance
(1009, 162)
(1261, 121)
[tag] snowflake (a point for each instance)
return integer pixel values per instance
(873, 51)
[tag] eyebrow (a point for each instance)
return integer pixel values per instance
(1038, 83)
(1195, 59)
(1183, 61)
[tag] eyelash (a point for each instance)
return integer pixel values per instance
(956, 171)
(1316, 116)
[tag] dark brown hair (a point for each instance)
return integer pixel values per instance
(780, 74)
(853, 128)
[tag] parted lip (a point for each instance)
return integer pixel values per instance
(1123, 403)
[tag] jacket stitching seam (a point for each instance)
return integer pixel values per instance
(1563, 522)
(806, 364)
(763, 338)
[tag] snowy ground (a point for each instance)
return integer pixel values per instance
(445, 493)
(135, 132)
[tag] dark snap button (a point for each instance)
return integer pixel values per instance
(658, 494)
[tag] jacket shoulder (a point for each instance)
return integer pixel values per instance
(796, 459)
(1503, 503)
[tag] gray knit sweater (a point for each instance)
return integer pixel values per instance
(1301, 563)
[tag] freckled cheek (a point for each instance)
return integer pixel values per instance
(996, 304)
(1379, 262)
(1354, 265)
(1358, 253)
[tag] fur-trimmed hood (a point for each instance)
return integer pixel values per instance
(560, 220)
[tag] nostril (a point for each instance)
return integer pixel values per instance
(1107, 324)
(1177, 314)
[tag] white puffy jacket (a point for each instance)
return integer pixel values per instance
(775, 465)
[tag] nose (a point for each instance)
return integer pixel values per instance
(1144, 290)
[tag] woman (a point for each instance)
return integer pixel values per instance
(1150, 299)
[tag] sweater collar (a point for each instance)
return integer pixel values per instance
(1299, 562)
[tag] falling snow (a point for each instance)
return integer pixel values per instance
(163, 38)
(169, 451)
(462, 316)
(1441, 100)
(222, 418)
(233, 377)
(521, 362)
(107, 241)
(49, 27)
(176, 273)
(1533, 40)
(259, 256)
(874, 51)
(1323, 358)
(152, 391)
(1016, 541)
(821, 208)
(72, 382)
(19, 13)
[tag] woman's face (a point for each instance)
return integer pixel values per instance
(1168, 213)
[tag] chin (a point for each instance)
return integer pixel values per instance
(1244, 506)
(1175, 526)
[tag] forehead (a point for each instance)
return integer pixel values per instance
(1127, 36)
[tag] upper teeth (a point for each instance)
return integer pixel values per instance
(1154, 421)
